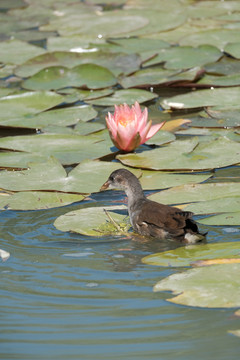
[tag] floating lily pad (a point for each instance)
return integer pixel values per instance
(86, 75)
(87, 177)
(225, 66)
(197, 193)
(140, 45)
(233, 49)
(228, 80)
(215, 37)
(216, 286)
(157, 76)
(17, 52)
(152, 180)
(161, 137)
(27, 103)
(60, 117)
(186, 57)
(230, 218)
(109, 23)
(224, 205)
(69, 149)
(117, 63)
(84, 128)
(187, 155)
(93, 221)
(158, 21)
(210, 97)
(129, 97)
(186, 255)
(35, 200)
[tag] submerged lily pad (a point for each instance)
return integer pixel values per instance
(186, 255)
(93, 221)
(216, 286)
(89, 76)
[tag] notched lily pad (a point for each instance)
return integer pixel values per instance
(94, 221)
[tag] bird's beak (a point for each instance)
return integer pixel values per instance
(105, 186)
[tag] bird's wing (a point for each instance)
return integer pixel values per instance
(165, 217)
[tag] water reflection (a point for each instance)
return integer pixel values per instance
(71, 296)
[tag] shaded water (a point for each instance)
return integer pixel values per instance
(65, 296)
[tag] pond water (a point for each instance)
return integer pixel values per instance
(65, 296)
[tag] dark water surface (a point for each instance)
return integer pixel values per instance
(65, 296)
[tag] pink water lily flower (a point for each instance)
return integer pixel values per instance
(129, 126)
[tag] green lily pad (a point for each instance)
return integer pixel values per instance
(129, 96)
(35, 200)
(140, 45)
(152, 180)
(219, 119)
(185, 255)
(161, 137)
(186, 57)
(86, 75)
(224, 204)
(228, 80)
(50, 175)
(109, 23)
(27, 103)
(158, 20)
(230, 218)
(117, 63)
(187, 155)
(210, 97)
(69, 149)
(197, 192)
(215, 37)
(215, 286)
(84, 128)
(60, 117)
(17, 52)
(225, 66)
(157, 76)
(233, 49)
(92, 221)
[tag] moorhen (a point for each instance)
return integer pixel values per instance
(150, 218)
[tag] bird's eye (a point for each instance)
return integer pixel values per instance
(111, 178)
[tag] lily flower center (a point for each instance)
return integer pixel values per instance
(125, 120)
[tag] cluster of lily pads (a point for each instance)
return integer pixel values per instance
(57, 83)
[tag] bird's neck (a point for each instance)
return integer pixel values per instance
(134, 193)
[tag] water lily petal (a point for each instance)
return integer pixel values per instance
(154, 129)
